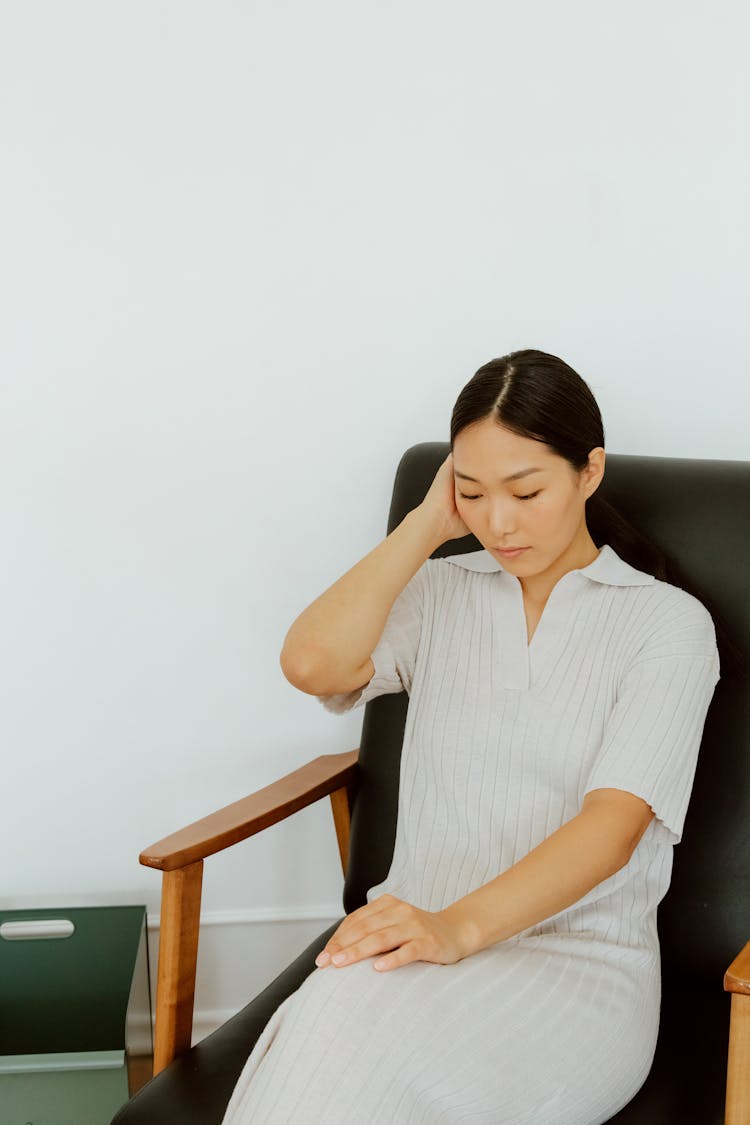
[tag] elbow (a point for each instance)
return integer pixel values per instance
(295, 671)
(321, 676)
(631, 843)
(623, 858)
(308, 673)
(647, 817)
(617, 854)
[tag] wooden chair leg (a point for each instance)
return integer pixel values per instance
(178, 955)
(341, 803)
(738, 1065)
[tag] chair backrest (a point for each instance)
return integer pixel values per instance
(698, 511)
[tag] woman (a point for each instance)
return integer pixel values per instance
(507, 970)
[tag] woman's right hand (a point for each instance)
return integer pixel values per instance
(440, 502)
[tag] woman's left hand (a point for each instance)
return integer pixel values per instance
(391, 925)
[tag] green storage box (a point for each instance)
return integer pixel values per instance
(69, 979)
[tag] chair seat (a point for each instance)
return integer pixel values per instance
(687, 1082)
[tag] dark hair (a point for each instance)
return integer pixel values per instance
(539, 396)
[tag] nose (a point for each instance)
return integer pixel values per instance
(502, 523)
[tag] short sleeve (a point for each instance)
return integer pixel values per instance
(395, 654)
(653, 734)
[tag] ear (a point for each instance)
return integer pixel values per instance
(592, 474)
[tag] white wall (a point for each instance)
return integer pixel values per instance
(250, 253)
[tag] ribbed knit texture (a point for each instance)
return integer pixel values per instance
(558, 1024)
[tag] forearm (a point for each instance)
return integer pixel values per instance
(554, 875)
(337, 632)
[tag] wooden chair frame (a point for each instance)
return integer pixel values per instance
(180, 858)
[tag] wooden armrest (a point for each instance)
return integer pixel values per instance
(243, 818)
(737, 982)
(737, 976)
(180, 859)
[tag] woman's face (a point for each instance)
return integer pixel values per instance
(542, 511)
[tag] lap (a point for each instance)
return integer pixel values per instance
(518, 1033)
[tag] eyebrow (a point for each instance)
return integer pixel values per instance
(513, 476)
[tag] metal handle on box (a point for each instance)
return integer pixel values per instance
(36, 929)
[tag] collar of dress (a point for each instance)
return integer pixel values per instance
(607, 567)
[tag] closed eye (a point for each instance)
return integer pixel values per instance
(530, 496)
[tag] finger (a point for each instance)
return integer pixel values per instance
(353, 922)
(401, 956)
(342, 934)
(382, 941)
(354, 927)
(370, 909)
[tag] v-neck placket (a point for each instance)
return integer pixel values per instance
(523, 665)
(523, 662)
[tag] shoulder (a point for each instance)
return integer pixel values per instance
(450, 585)
(424, 584)
(445, 570)
(675, 622)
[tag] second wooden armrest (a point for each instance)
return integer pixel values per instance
(737, 982)
(737, 976)
(243, 818)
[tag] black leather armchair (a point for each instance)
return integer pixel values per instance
(699, 512)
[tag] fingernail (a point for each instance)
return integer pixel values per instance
(339, 958)
(322, 959)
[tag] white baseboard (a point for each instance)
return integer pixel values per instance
(253, 915)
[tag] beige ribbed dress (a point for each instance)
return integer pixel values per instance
(558, 1024)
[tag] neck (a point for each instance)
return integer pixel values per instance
(580, 553)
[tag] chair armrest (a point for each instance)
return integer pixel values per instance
(180, 859)
(243, 818)
(737, 976)
(737, 982)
